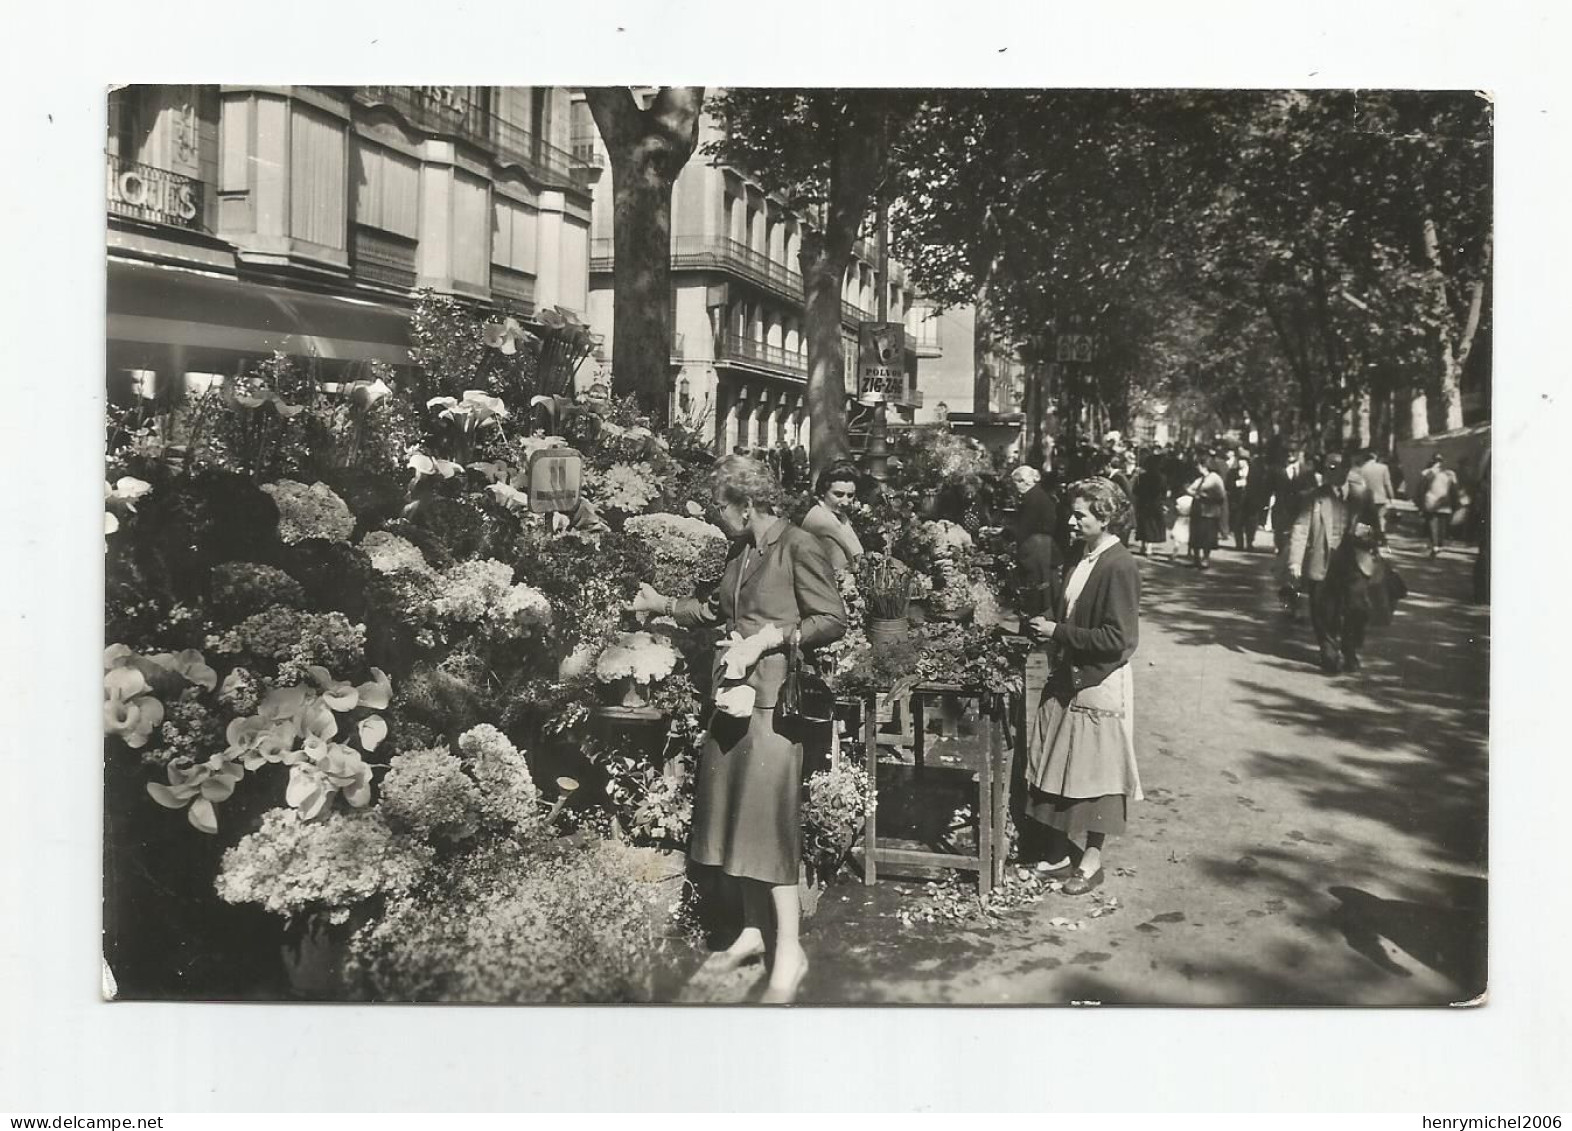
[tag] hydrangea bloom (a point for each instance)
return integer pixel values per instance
(686, 550)
(296, 640)
(483, 589)
(427, 792)
(389, 553)
(310, 512)
(507, 791)
(242, 588)
(290, 866)
(637, 654)
(626, 487)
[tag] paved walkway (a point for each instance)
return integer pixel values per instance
(1306, 839)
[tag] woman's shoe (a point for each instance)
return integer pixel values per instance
(787, 994)
(1047, 871)
(1080, 884)
(726, 961)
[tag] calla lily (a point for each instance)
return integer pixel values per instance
(111, 523)
(198, 785)
(128, 489)
(338, 694)
(511, 497)
(373, 729)
(364, 394)
(504, 335)
(494, 472)
(428, 465)
(283, 703)
(377, 693)
(117, 654)
(194, 668)
(482, 407)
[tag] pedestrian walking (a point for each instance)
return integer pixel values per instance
(1151, 506)
(1376, 478)
(1208, 511)
(778, 587)
(1438, 500)
(1335, 553)
(1081, 770)
(1291, 487)
(1241, 503)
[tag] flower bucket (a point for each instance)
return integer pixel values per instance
(629, 692)
(884, 633)
(313, 957)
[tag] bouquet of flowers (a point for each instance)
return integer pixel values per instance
(641, 655)
(688, 551)
(886, 586)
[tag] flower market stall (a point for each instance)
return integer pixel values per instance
(377, 728)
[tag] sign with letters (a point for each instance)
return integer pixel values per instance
(555, 478)
(881, 362)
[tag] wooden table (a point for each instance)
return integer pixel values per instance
(993, 786)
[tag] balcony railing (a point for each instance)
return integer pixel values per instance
(735, 347)
(587, 153)
(142, 192)
(437, 111)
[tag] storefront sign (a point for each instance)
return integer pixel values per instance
(555, 478)
(153, 194)
(881, 362)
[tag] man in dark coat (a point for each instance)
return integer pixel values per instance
(1291, 484)
(1333, 551)
(1036, 529)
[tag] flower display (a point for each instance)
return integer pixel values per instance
(627, 487)
(389, 553)
(310, 512)
(474, 409)
(238, 589)
(132, 712)
(295, 640)
(428, 793)
(290, 866)
(507, 792)
(638, 654)
(687, 550)
(483, 590)
(198, 785)
(946, 538)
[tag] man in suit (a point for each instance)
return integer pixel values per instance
(1377, 479)
(1336, 575)
(1290, 486)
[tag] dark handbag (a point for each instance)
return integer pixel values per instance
(804, 696)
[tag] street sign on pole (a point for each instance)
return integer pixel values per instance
(881, 362)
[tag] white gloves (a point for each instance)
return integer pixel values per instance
(743, 652)
(735, 700)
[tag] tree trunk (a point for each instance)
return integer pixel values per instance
(1453, 347)
(858, 161)
(648, 150)
(822, 272)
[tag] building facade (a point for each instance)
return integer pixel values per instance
(739, 359)
(244, 220)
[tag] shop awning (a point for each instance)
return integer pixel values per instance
(172, 320)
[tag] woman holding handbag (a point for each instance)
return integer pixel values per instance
(777, 593)
(1081, 772)
(1209, 512)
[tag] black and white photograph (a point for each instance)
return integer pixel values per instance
(822, 546)
(703, 558)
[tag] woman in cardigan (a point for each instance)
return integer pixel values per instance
(746, 810)
(1080, 769)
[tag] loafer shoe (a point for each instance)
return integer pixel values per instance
(1044, 871)
(1080, 884)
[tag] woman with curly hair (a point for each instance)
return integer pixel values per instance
(747, 822)
(1080, 771)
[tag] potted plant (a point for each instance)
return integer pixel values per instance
(886, 586)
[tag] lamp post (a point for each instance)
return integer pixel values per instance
(878, 431)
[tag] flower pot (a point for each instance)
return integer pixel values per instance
(629, 692)
(313, 956)
(884, 633)
(928, 504)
